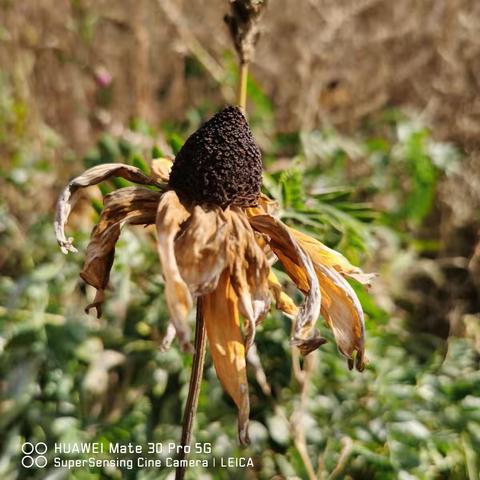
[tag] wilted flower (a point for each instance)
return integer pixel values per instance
(217, 238)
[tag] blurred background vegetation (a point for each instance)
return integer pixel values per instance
(368, 115)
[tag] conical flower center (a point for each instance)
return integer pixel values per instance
(220, 163)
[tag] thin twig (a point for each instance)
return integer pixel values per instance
(193, 389)
(296, 420)
(343, 458)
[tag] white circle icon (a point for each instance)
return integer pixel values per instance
(40, 448)
(41, 461)
(27, 461)
(27, 448)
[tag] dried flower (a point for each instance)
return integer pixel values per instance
(216, 238)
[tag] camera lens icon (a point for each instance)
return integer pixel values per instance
(38, 449)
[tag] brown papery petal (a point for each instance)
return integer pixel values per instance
(161, 169)
(265, 206)
(171, 214)
(134, 205)
(249, 272)
(282, 301)
(222, 323)
(92, 176)
(300, 268)
(343, 313)
(323, 255)
(200, 249)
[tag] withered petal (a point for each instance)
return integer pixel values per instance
(323, 255)
(133, 205)
(340, 305)
(171, 214)
(168, 338)
(282, 301)
(249, 273)
(227, 348)
(200, 249)
(344, 315)
(300, 268)
(92, 176)
(160, 168)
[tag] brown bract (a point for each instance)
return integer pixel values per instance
(223, 254)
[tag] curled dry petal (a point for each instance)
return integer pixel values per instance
(249, 272)
(265, 206)
(344, 315)
(323, 255)
(340, 305)
(200, 249)
(282, 301)
(168, 338)
(300, 268)
(160, 168)
(227, 348)
(134, 205)
(92, 176)
(171, 214)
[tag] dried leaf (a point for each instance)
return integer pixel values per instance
(171, 214)
(134, 205)
(222, 323)
(300, 268)
(92, 176)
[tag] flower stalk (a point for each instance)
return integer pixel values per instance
(242, 90)
(244, 26)
(193, 389)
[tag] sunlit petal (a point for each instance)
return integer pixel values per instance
(200, 249)
(171, 214)
(249, 273)
(160, 168)
(282, 301)
(343, 313)
(323, 255)
(300, 268)
(227, 348)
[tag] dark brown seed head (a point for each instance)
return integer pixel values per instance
(220, 163)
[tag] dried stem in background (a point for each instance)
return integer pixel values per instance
(194, 387)
(244, 26)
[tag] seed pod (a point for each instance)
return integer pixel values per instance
(220, 163)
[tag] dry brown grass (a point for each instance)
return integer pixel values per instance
(319, 61)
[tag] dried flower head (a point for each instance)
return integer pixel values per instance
(220, 163)
(216, 236)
